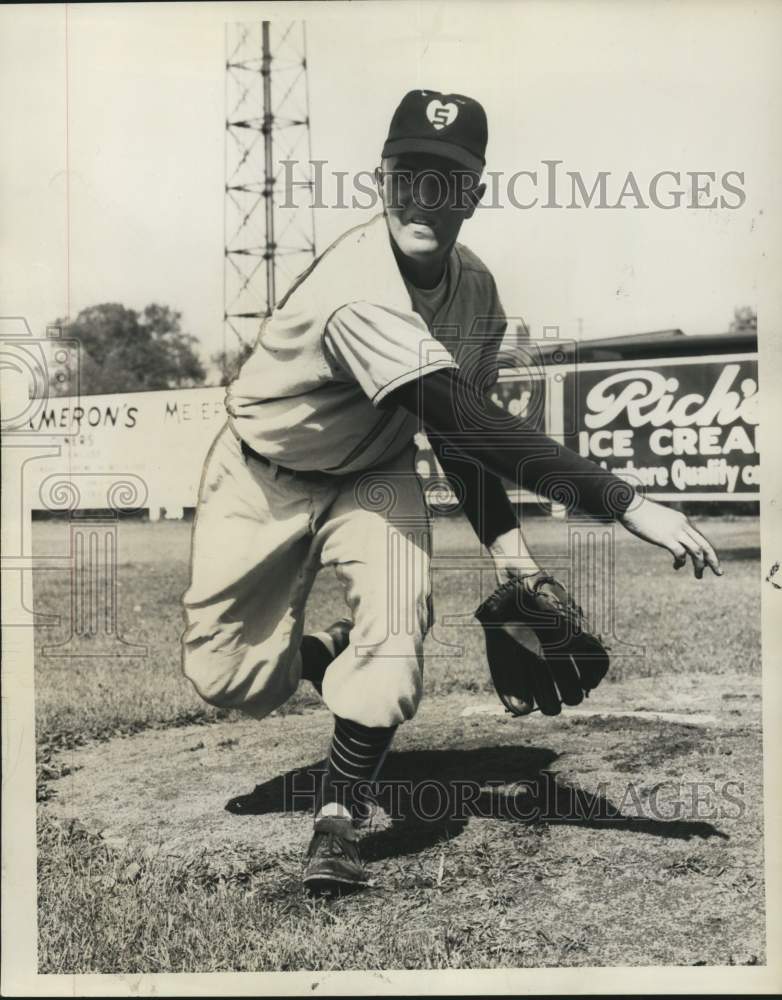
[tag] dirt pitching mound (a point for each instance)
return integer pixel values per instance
(630, 825)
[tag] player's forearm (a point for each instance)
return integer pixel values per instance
(451, 407)
(483, 497)
(511, 554)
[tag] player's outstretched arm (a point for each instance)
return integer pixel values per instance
(486, 506)
(450, 406)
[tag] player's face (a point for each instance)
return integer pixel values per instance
(426, 199)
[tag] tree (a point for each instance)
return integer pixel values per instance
(121, 350)
(744, 318)
(229, 362)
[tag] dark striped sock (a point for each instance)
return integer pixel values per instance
(355, 758)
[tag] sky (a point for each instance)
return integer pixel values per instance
(112, 182)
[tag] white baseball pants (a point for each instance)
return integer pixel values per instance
(259, 538)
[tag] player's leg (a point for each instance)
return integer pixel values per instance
(377, 536)
(355, 758)
(251, 573)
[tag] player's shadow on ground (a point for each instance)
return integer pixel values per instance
(431, 794)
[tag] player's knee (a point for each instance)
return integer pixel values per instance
(210, 674)
(229, 679)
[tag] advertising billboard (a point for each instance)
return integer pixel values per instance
(156, 442)
(683, 428)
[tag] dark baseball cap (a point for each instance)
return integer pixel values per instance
(447, 125)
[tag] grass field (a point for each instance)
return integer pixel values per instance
(482, 890)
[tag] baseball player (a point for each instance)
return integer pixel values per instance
(394, 328)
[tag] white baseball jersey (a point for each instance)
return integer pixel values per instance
(350, 331)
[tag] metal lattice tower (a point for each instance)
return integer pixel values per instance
(269, 215)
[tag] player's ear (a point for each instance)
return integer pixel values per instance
(473, 197)
(379, 182)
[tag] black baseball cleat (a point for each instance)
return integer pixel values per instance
(333, 864)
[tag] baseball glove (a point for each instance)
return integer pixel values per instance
(541, 653)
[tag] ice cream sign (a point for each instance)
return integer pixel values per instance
(683, 427)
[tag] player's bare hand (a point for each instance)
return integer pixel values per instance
(670, 529)
(511, 556)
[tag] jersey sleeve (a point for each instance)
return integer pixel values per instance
(382, 348)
